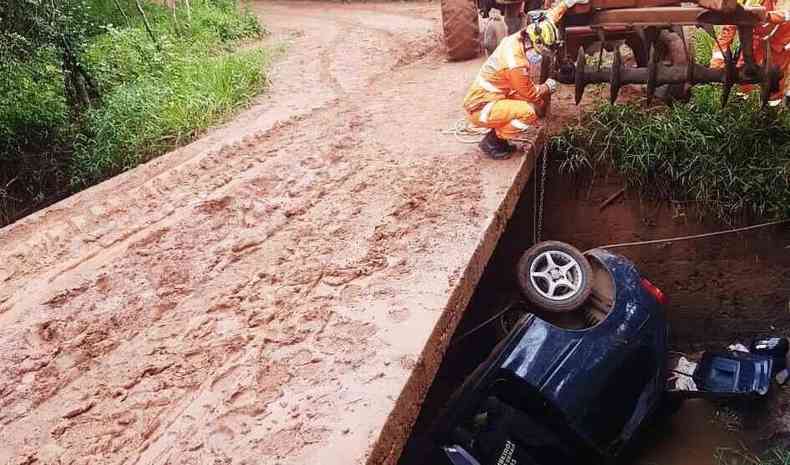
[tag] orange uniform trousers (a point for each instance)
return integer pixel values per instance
(508, 117)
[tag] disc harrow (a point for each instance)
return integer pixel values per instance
(643, 26)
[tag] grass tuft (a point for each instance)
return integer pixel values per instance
(731, 162)
(154, 95)
(151, 114)
(742, 456)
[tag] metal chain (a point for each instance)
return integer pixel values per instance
(534, 201)
(538, 231)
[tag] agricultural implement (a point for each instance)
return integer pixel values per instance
(654, 31)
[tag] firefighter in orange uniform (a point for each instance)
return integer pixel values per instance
(776, 30)
(504, 96)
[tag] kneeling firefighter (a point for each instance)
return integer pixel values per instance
(504, 96)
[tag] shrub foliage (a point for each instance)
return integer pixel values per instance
(90, 88)
(731, 162)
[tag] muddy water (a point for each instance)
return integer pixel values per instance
(692, 437)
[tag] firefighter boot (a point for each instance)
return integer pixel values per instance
(495, 147)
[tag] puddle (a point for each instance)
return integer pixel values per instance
(693, 436)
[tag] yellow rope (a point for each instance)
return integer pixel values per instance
(695, 236)
(465, 133)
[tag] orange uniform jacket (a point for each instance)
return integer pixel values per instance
(505, 75)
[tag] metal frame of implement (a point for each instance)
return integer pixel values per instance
(647, 22)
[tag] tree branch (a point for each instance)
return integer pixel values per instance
(147, 25)
(123, 12)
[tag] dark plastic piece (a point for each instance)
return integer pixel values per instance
(729, 374)
(774, 347)
(459, 456)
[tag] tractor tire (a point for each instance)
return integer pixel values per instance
(672, 51)
(637, 47)
(461, 29)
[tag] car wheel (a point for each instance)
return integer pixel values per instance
(555, 276)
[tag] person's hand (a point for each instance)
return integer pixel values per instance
(572, 3)
(716, 60)
(551, 84)
(778, 16)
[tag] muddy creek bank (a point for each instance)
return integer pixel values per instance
(720, 290)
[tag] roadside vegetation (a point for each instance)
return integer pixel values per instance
(91, 88)
(773, 456)
(731, 163)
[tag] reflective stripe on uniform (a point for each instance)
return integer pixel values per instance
(486, 111)
(519, 125)
(511, 57)
(488, 86)
(492, 64)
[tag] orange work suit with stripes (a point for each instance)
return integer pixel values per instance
(503, 97)
(778, 32)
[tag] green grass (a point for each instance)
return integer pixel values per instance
(704, 45)
(204, 66)
(33, 114)
(732, 163)
(162, 95)
(151, 114)
(774, 456)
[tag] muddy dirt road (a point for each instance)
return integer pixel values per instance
(264, 295)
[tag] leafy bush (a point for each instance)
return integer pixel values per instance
(33, 114)
(145, 95)
(161, 94)
(222, 22)
(730, 161)
(151, 114)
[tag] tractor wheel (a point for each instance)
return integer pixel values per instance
(637, 49)
(672, 50)
(669, 48)
(461, 29)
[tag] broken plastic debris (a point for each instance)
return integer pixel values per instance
(737, 347)
(782, 376)
(682, 376)
(774, 347)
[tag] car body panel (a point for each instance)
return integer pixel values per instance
(576, 374)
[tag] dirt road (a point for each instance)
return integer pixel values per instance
(265, 294)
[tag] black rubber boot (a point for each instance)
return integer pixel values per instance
(494, 147)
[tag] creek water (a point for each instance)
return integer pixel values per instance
(694, 436)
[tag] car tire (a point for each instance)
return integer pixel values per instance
(555, 276)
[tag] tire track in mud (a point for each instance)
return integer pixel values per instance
(345, 274)
(133, 341)
(71, 236)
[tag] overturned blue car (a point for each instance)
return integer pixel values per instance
(581, 387)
